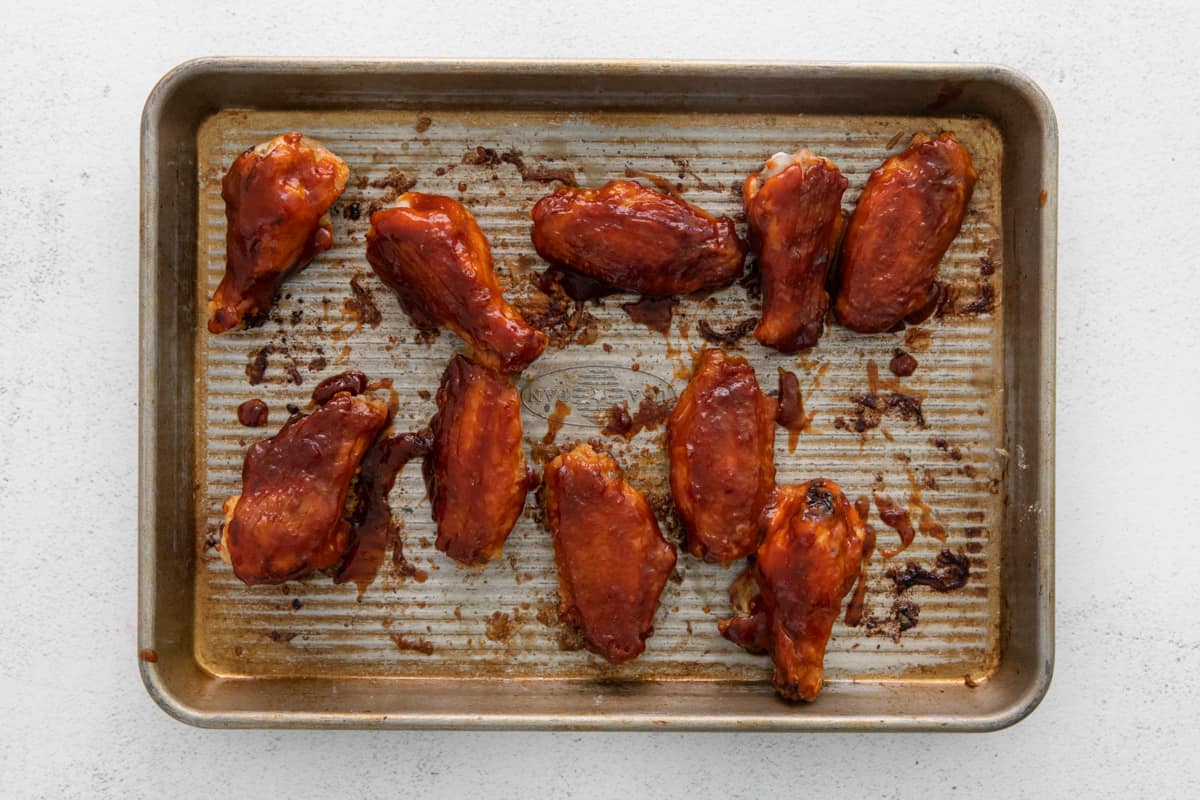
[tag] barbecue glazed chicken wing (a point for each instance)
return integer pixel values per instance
(429, 249)
(476, 471)
(277, 198)
(794, 211)
(721, 443)
(808, 561)
(289, 519)
(612, 559)
(637, 239)
(906, 218)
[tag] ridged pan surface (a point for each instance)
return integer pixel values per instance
(501, 620)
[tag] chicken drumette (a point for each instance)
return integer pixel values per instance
(637, 239)
(906, 218)
(794, 210)
(277, 197)
(788, 599)
(613, 561)
(476, 470)
(721, 442)
(290, 518)
(429, 249)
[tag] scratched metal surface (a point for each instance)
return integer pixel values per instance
(316, 628)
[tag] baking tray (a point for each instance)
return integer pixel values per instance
(313, 654)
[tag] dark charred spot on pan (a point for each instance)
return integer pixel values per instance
(481, 157)
(539, 174)
(950, 572)
(281, 636)
(902, 364)
(730, 337)
(395, 180)
(984, 302)
(293, 412)
(293, 373)
(902, 616)
(663, 507)
(352, 211)
(987, 266)
(651, 411)
(317, 364)
(945, 306)
(550, 309)
(257, 365)
(297, 604)
(751, 279)
(351, 381)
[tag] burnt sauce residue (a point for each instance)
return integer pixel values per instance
(653, 312)
(351, 381)
(256, 367)
(252, 413)
(651, 411)
(727, 338)
(902, 364)
(372, 525)
(539, 174)
(417, 645)
(950, 572)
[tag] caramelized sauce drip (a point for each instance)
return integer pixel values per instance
(854, 611)
(790, 413)
(252, 413)
(895, 516)
(373, 526)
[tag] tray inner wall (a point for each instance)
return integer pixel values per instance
(498, 621)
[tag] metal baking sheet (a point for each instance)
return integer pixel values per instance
(481, 647)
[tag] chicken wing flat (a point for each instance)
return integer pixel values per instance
(906, 218)
(290, 518)
(721, 443)
(637, 239)
(429, 249)
(277, 197)
(794, 210)
(613, 561)
(809, 559)
(476, 472)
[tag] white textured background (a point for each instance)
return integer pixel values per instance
(1121, 718)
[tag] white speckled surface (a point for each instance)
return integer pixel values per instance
(1120, 718)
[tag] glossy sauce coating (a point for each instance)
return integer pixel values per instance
(721, 444)
(277, 197)
(476, 471)
(613, 561)
(906, 218)
(809, 558)
(637, 239)
(795, 219)
(429, 249)
(288, 520)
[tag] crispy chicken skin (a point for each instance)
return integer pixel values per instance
(637, 239)
(289, 519)
(809, 559)
(794, 212)
(906, 218)
(613, 561)
(721, 443)
(476, 472)
(277, 197)
(429, 249)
